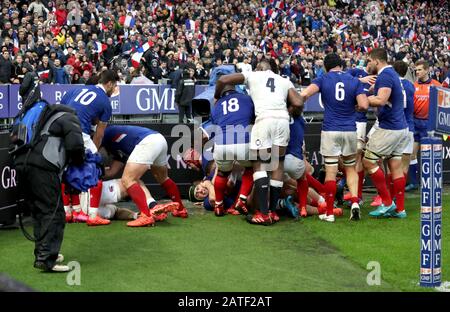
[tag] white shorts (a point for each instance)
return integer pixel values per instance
(152, 150)
(372, 130)
(268, 131)
(111, 192)
(410, 146)
(107, 211)
(361, 134)
(294, 166)
(88, 143)
(337, 143)
(225, 155)
(384, 142)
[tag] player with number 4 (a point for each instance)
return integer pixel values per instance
(270, 134)
(340, 94)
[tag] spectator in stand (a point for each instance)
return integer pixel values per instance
(6, 67)
(44, 70)
(409, 30)
(60, 76)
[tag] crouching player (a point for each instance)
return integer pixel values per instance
(139, 150)
(232, 114)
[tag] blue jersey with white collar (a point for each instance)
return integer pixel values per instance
(91, 103)
(233, 114)
(391, 116)
(338, 94)
(121, 140)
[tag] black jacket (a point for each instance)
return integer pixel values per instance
(185, 92)
(6, 67)
(67, 127)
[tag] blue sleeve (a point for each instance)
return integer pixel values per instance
(359, 88)
(318, 82)
(207, 205)
(385, 81)
(107, 112)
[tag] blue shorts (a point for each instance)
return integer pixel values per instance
(420, 129)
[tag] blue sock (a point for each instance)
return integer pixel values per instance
(413, 167)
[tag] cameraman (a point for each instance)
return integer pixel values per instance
(40, 165)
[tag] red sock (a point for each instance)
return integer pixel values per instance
(302, 192)
(65, 197)
(330, 190)
(319, 187)
(360, 183)
(220, 185)
(96, 195)
(247, 182)
(321, 209)
(399, 191)
(137, 194)
(354, 200)
(75, 199)
(172, 190)
(380, 183)
(390, 185)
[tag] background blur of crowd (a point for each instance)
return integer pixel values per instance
(69, 41)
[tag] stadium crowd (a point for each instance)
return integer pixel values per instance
(69, 41)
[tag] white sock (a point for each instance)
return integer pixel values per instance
(68, 209)
(93, 212)
(76, 208)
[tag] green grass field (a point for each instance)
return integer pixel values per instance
(206, 253)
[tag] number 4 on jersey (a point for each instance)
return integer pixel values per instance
(271, 84)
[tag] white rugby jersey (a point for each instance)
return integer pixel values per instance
(268, 90)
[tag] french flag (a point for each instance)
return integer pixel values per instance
(342, 27)
(190, 25)
(100, 47)
(292, 14)
(15, 43)
(139, 52)
(279, 4)
(129, 21)
(262, 12)
(44, 74)
(262, 46)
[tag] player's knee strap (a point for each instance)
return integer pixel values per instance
(331, 162)
(281, 158)
(265, 161)
(394, 156)
(371, 156)
(349, 162)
